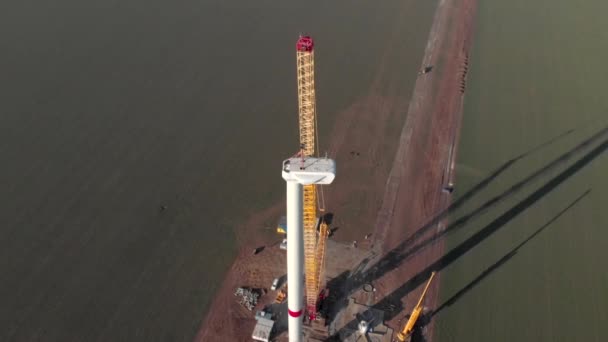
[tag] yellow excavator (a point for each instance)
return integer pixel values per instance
(405, 334)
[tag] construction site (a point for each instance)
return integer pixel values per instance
(379, 281)
(210, 171)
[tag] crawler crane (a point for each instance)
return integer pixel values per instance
(314, 244)
(302, 173)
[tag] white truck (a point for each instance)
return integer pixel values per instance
(275, 284)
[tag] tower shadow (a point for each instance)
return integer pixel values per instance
(389, 302)
(404, 250)
(502, 260)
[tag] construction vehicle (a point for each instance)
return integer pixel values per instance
(281, 295)
(405, 334)
(282, 225)
(314, 242)
(275, 284)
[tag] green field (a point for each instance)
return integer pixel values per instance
(536, 87)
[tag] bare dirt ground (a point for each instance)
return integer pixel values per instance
(406, 243)
(412, 215)
(396, 188)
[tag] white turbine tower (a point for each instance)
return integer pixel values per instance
(298, 172)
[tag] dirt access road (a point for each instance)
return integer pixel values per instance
(407, 246)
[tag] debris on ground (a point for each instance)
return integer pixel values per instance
(247, 297)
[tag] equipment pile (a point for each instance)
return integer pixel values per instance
(247, 297)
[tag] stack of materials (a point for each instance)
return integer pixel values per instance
(247, 297)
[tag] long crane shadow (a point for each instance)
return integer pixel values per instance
(481, 185)
(391, 304)
(344, 284)
(504, 259)
(478, 187)
(400, 253)
(427, 318)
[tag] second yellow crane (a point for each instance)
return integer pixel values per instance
(405, 334)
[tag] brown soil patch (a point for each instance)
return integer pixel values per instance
(424, 163)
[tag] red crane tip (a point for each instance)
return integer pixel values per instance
(305, 44)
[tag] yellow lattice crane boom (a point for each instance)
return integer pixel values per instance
(314, 245)
(406, 333)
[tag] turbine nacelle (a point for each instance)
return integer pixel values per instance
(309, 170)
